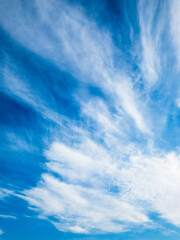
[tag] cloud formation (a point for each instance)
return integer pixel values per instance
(97, 120)
(83, 187)
(82, 196)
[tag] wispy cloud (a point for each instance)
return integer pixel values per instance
(81, 209)
(5, 192)
(174, 30)
(79, 196)
(106, 169)
(87, 52)
(7, 216)
(150, 63)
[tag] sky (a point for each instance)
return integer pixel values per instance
(89, 119)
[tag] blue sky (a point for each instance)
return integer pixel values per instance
(89, 119)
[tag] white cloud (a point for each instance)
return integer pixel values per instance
(131, 103)
(82, 208)
(155, 180)
(84, 201)
(19, 143)
(7, 216)
(76, 44)
(174, 8)
(18, 87)
(1, 232)
(104, 182)
(5, 192)
(93, 191)
(77, 165)
(97, 110)
(150, 41)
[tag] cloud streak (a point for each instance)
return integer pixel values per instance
(88, 54)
